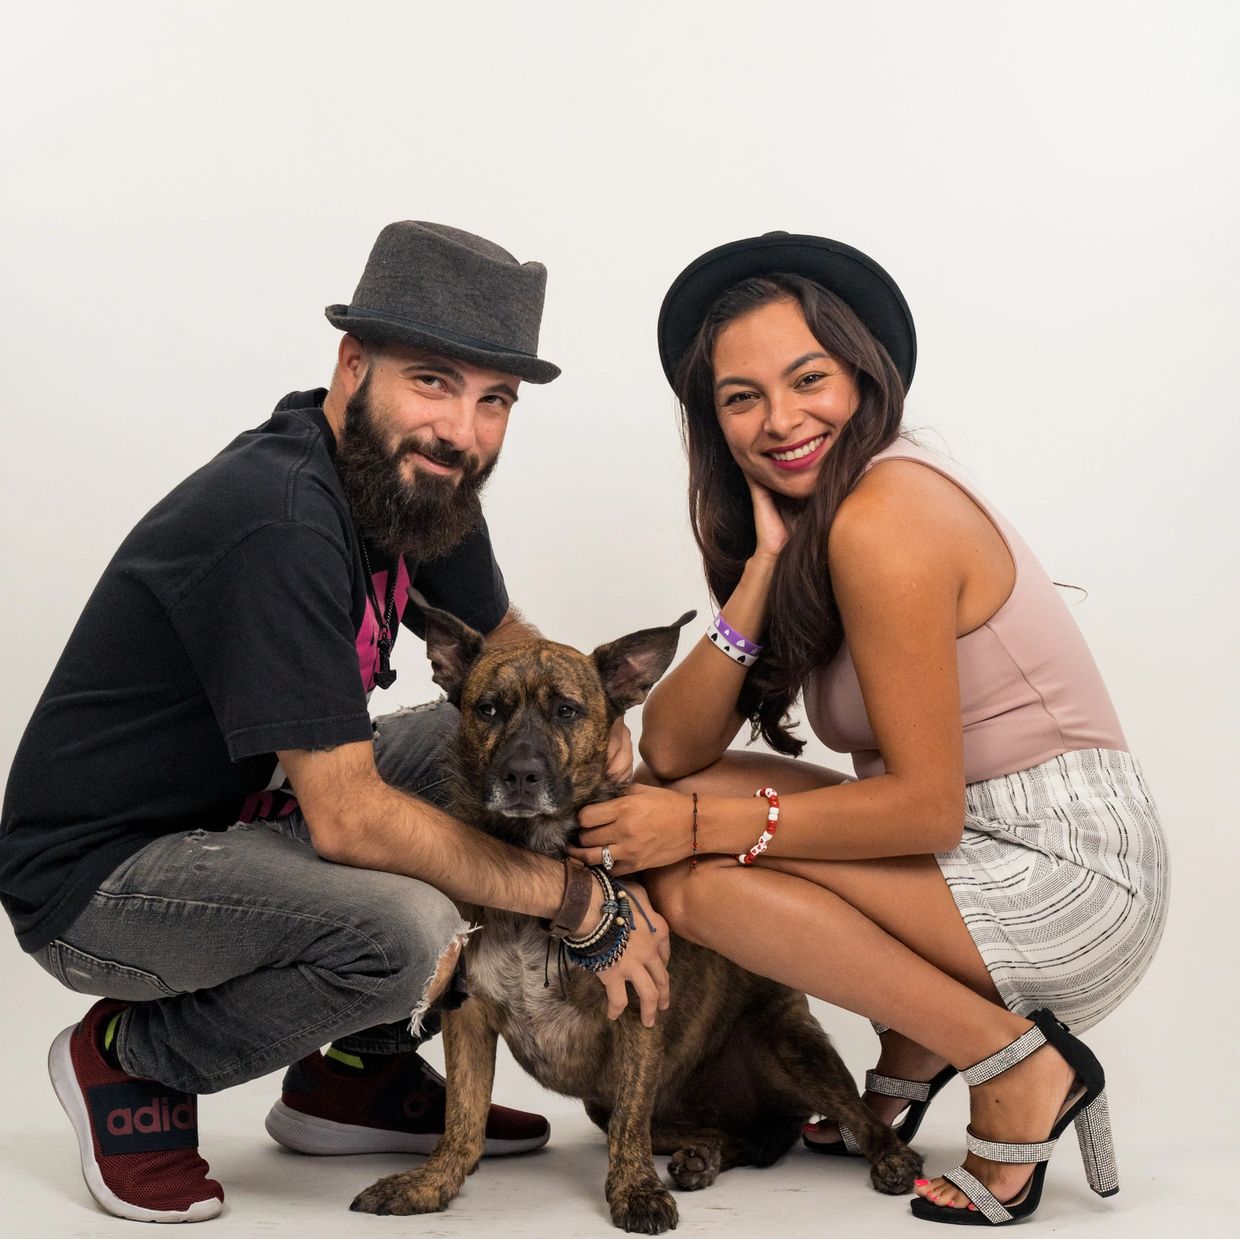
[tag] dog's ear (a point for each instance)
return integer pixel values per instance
(452, 647)
(629, 667)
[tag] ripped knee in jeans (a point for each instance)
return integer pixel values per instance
(445, 982)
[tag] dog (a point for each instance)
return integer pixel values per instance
(728, 1074)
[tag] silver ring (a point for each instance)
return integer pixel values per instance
(608, 859)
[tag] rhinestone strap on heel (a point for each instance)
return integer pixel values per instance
(918, 1093)
(1086, 1106)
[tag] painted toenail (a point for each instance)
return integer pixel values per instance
(809, 1129)
(921, 1182)
(973, 1207)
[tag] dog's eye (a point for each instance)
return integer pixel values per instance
(565, 711)
(486, 709)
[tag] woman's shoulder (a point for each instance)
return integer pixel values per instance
(907, 505)
(896, 488)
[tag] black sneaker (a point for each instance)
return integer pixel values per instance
(394, 1105)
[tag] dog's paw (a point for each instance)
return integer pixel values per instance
(695, 1166)
(645, 1208)
(411, 1192)
(893, 1171)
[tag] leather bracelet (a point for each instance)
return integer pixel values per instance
(578, 887)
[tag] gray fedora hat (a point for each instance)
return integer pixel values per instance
(435, 287)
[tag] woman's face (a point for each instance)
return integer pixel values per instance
(780, 398)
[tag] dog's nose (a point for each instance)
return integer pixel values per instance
(523, 768)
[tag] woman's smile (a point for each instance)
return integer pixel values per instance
(801, 455)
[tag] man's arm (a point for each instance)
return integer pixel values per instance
(357, 819)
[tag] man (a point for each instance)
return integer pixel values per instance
(200, 823)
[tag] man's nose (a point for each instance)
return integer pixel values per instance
(455, 425)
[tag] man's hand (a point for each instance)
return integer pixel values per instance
(643, 964)
(620, 752)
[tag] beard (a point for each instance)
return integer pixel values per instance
(424, 517)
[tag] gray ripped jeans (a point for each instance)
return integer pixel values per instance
(242, 951)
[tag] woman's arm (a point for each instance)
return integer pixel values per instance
(690, 717)
(897, 567)
(898, 564)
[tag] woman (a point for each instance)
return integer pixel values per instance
(998, 856)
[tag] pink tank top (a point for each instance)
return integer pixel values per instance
(1029, 688)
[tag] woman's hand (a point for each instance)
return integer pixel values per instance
(768, 524)
(646, 828)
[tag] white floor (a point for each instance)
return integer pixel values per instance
(1168, 1186)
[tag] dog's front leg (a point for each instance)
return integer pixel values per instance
(639, 1201)
(469, 1052)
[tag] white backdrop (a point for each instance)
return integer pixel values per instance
(1053, 186)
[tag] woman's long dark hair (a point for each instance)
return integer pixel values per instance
(803, 628)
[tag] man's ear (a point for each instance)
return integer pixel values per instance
(630, 666)
(352, 361)
(451, 646)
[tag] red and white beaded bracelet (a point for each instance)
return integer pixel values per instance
(772, 823)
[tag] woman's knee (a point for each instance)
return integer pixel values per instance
(682, 892)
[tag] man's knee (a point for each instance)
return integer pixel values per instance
(443, 974)
(411, 748)
(405, 934)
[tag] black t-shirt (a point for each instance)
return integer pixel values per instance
(225, 628)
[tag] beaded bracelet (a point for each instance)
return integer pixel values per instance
(730, 642)
(608, 952)
(772, 823)
(605, 943)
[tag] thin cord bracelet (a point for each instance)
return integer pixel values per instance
(694, 854)
(772, 824)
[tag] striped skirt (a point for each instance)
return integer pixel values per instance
(1061, 878)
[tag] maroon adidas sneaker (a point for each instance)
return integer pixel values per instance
(394, 1105)
(138, 1138)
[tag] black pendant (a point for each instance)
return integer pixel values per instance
(385, 677)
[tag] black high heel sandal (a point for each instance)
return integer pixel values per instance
(918, 1093)
(1086, 1106)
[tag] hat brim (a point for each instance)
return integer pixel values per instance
(853, 276)
(386, 329)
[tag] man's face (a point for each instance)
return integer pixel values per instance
(422, 433)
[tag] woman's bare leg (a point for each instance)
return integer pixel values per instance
(882, 938)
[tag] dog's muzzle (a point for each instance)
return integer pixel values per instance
(521, 784)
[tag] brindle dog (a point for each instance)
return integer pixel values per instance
(728, 1074)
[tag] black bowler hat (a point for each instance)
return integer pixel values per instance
(855, 278)
(436, 287)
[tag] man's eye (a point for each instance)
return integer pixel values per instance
(430, 380)
(486, 709)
